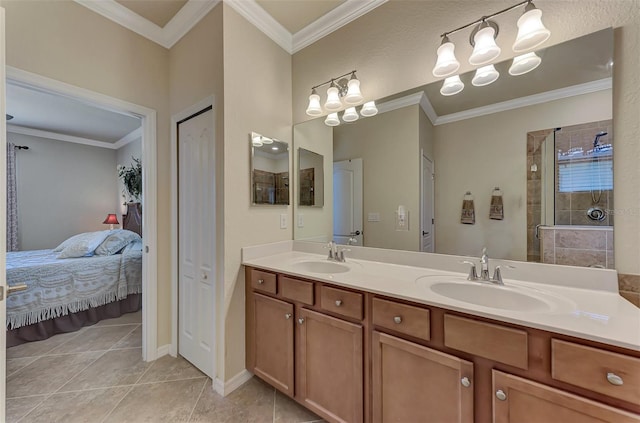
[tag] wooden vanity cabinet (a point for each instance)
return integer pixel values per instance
(413, 383)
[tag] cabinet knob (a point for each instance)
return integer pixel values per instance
(260, 281)
(301, 320)
(465, 382)
(614, 379)
(501, 395)
(338, 303)
(287, 316)
(397, 320)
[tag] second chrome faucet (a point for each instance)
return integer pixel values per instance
(484, 270)
(336, 253)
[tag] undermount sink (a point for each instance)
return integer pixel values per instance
(321, 267)
(494, 296)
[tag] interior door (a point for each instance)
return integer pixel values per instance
(196, 240)
(347, 201)
(3, 218)
(427, 206)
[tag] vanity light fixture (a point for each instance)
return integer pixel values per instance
(485, 76)
(524, 63)
(452, 85)
(342, 92)
(531, 34)
(256, 141)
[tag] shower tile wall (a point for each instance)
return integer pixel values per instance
(588, 247)
(571, 208)
(534, 191)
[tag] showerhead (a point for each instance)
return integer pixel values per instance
(8, 116)
(598, 136)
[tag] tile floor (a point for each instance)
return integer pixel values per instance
(97, 375)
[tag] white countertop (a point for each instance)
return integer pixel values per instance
(595, 313)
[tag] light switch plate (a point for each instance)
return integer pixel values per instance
(373, 217)
(283, 221)
(300, 220)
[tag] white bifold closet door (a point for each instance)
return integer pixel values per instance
(3, 206)
(196, 245)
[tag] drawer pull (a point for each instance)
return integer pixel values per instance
(397, 320)
(465, 382)
(287, 316)
(301, 320)
(614, 379)
(260, 281)
(338, 303)
(501, 395)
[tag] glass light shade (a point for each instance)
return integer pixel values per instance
(524, 63)
(485, 49)
(369, 109)
(266, 140)
(333, 99)
(332, 120)
(452, 85)
(447, 63)
(354, 96)
(531, 31)
(314, 108)
(485, 76)
(350, 115)
(256, 141)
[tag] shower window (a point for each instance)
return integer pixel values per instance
(585, 175)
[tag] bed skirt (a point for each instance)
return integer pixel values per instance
(73, 321)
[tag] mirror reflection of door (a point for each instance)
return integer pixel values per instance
(269, 170)
(427, 203)
(347, 201)
(311, 177)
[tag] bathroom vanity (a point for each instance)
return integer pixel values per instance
(375, 342)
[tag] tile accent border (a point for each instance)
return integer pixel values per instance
(629, 286)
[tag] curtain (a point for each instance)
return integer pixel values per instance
(12, 199)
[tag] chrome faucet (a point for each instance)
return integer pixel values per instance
(333, 253)
(484, 265)
(484, 270)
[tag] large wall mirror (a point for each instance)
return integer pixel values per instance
(269, 170)
(543, 138)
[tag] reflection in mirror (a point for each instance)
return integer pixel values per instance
(269, 170)
(424, 151)
(311, 178)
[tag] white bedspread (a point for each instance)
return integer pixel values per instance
(58, 287)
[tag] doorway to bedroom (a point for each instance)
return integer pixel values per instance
(76, 152)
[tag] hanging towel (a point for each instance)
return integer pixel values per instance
(468, 210)
(496, 211)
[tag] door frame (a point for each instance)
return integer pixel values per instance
(423, 156)
(149, 186)
(189, 111)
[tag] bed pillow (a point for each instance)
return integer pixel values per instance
(116, 241)
(81, 245)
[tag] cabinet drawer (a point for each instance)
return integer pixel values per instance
(296, 290)
(498, 343)
(342, 302)
(403, 318)
(263, 281)
(596, 370)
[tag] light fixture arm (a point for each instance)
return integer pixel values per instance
(485, 18)
(332, 80)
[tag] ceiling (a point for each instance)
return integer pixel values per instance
(292, 24)
(57, 117)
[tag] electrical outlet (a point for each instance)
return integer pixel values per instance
(300, 220)
(283, 221)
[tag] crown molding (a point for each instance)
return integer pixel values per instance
(335, 19)
(419, 98)
(23, 130)
(572, 91)
(190, 14)
(262, 20)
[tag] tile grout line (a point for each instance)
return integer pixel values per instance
(123, 338)
(46, 397)
(117, 404)
(198, 400)
(77, 374)
(274, 406)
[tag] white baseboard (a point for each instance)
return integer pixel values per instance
(163, 350)
(225, 388)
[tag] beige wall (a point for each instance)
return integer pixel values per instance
(393, 49)
(63, 189)
(389, 147)
(471, 155)
(257, 88)
(315, 136)
(68, 42)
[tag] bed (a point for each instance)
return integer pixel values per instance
(66, 292)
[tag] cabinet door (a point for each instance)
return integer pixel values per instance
(520, 400)
(413, 383)
(330, 366)
(273, 342)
